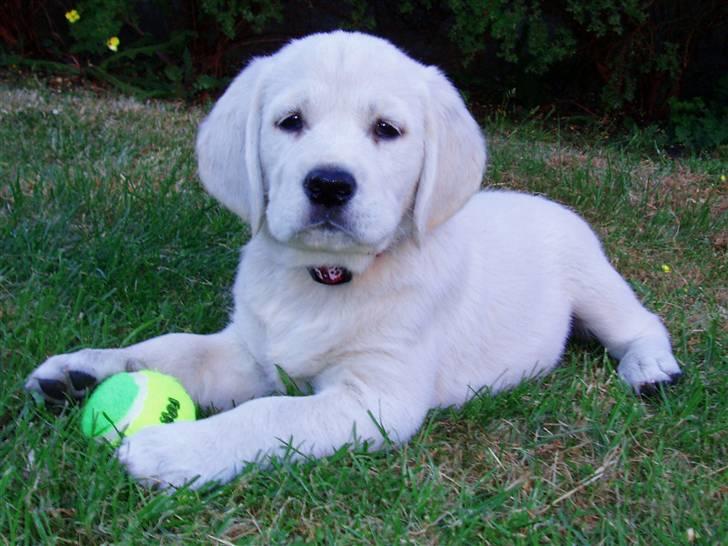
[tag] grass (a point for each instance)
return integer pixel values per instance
(106, 239)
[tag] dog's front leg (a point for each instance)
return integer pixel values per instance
(349, 405)
(217, 370)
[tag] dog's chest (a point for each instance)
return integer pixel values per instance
(303, 332)
(288, 320)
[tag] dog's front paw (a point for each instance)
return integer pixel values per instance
(74, 374)
(174, 455)
(647, 367)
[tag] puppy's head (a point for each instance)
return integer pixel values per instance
(338, 146)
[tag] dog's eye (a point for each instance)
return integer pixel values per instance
(292, 123)
(385, 130)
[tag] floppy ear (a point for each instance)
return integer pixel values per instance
(455, 155)
(227, 146)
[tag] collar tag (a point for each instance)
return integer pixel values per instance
(330, 275)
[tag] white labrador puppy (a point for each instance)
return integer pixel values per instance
(376, 272)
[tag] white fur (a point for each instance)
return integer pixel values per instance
(453, 290)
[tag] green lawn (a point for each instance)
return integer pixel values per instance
(106, 239)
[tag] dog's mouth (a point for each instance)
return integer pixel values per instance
(331, 232)
(328, 223)
(325, 236)
(330, 275)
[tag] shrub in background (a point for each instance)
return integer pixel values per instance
(149, 48)
(641, 51)
(697, 126)
(638, 59)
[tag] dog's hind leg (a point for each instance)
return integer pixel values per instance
(606, 306)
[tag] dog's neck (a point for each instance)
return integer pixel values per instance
(327, 268)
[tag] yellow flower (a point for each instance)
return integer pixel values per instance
(72, 16)
(113, 43)
(722, 178)
(666, 268)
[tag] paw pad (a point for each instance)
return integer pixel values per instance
(650, 390)
(53, 388)
(81, 380)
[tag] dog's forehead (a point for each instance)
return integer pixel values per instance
(332, 97)
(344, 71)
(348, 59)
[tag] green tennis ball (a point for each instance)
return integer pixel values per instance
(127, 402)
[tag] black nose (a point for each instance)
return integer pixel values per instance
(329, 187)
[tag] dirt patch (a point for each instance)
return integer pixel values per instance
(720, 240)
(570, 158)
(677, 188)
